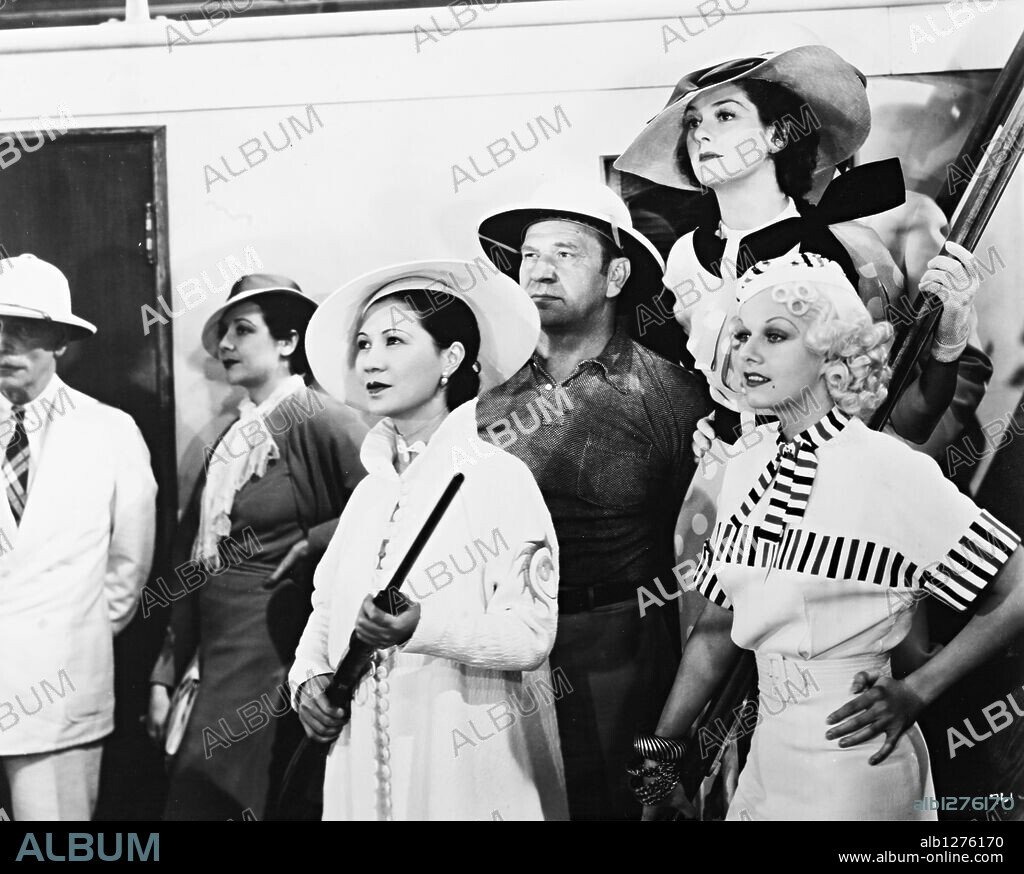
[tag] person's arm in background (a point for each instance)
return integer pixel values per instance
(708, 655)
(889, 706)
(953, 374)
(312, 670)
(924, 232)
(323, 450)
(881, 287)
(132, 525)
(914, 234)
(181, 637)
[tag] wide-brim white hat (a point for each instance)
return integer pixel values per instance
(246, 288)
(833, 90)
(501, 233)
(506, 317)
(597, 206)
(31, 288)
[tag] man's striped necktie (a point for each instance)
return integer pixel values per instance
(15, 465)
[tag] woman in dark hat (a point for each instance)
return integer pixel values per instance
(755, 131)
(272, 489)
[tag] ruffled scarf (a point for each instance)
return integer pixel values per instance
(227, 471)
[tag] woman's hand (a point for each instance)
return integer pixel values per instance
(321, 721)
(296, 554)
(955, 281)
(703, 437)
(884, 705)
(380, 629)
(676, 803)
(159, 710)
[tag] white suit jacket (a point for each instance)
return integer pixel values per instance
(71, 573)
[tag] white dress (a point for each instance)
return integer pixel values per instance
(459, 723)
(833, 595)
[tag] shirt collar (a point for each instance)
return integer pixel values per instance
(615, 361)
(788, 211)
(379, 447)
(44, 402)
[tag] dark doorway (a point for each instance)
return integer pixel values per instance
(93, 202)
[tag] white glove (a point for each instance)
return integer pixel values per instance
(955, 281)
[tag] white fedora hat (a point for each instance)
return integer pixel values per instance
(31, 288)
(508, 320)
(593, 204)
(596, 206)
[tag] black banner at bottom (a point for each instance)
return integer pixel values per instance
(838, 843)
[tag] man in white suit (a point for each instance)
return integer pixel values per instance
(76, 538)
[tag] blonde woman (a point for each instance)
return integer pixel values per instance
(824, 528)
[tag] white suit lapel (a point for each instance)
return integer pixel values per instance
(65, 451)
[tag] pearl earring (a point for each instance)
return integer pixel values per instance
(444, 380)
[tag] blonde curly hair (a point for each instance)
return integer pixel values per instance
(855, 352)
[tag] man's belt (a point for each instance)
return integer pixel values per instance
(583, 598)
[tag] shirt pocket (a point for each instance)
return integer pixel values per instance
(612, 478)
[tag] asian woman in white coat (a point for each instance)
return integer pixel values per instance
(456, 718)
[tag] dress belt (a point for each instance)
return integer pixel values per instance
(581, 599)
(834, 674)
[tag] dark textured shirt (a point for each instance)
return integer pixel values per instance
(610, 449)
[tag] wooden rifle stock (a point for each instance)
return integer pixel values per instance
(702, 760)
(969, 222)
(301, 795)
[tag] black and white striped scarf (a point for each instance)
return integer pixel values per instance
(790, 475)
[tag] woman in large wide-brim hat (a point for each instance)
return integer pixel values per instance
(755, 130)
(268, 501)
(456, 719)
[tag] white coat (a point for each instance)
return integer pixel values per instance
(72, 571)
(469, 730)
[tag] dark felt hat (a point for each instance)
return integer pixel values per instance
(246, 288)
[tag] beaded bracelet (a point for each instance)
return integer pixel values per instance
(652, 784)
